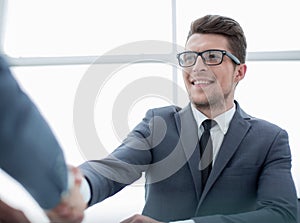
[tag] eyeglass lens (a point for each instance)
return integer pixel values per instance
(210, 57)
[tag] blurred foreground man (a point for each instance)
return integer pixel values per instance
(30, 154)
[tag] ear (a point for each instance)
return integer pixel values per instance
(240, 72)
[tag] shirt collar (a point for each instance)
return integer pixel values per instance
(223, 119)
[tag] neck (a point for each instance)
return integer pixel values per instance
(212, 111)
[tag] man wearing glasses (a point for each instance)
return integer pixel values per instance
(227, 166)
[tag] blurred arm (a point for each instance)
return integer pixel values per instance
(29, 151)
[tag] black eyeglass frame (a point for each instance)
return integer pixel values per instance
(224, 52)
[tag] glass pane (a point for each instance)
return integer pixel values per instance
(53, 90)
(126, 96)
(137, 88)
(268, 26)
(90, 27)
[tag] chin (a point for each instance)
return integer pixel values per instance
(200, 102)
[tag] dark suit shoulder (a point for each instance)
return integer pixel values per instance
(262, 123)
(258, 122)
(171, 109)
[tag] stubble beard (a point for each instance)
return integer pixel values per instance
(211, 106)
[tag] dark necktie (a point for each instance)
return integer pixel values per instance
(206, 150)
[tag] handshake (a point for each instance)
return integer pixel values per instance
(72, 205)
(70, 208)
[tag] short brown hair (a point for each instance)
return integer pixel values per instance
(225, 26)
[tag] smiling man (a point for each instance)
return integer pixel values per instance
(227, 165)
(211, 73)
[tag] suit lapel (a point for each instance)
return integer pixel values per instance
(188, 131)
(235, 134)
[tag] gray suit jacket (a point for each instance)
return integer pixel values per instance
(250, 181)
(29, 151)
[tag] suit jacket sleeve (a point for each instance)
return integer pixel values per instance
(276, 195)
(29, 151)
(123, 166)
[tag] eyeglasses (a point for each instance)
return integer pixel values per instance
(210, 57)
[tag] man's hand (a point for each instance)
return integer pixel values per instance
(9, 214)
(72, 206)
(139, 219)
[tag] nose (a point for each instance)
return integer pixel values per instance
(199, 65)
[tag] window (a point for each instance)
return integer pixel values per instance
(77, 28)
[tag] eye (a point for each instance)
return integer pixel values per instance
(189, 57)
(213, 57)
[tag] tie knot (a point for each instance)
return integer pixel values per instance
(208, 124)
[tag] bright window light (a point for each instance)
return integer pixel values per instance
(90, 27)
(268, 26)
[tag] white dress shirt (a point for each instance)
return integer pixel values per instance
(217, 136)
(218, 131)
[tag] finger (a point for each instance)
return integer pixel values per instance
(77, 175)
(137, 218)
(129, 220)
(69, 217)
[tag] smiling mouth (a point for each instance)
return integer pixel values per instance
(201, 82)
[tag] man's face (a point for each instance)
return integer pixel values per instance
(211, 86)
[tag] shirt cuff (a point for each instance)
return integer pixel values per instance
(185, 221)
(85, 190)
